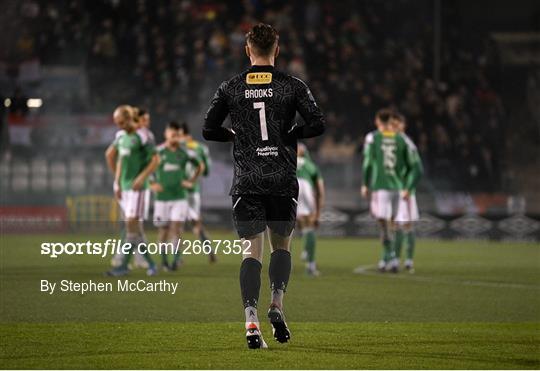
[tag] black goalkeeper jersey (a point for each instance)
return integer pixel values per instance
(262, 103)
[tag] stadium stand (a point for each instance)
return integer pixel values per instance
(169, 57)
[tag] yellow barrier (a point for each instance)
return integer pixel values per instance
(89, 210)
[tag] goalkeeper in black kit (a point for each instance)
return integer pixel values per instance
(262, 103)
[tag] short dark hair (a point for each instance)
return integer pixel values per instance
(262, 37)
(384, 114)
(399, 116)
(173, 125)
(184, 127)
(142, 111)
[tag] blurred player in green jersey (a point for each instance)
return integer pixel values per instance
(386, 173)
(407, 212)
(136, 160)
(111, 158)
(310, 203)
(142, 122)
(170, 185)
(194, 194)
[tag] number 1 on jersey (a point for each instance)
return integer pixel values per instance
(262, 119)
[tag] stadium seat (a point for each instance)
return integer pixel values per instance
(77, 166)
(58, 176)
(77, 175)
(20, 175)
(39, 174)
(97, 175)
(5, 173)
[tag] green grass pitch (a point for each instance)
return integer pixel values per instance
(469, 305)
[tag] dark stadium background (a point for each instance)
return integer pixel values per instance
(465, 73)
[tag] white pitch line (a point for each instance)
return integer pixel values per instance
(363, 269)
(367, 271)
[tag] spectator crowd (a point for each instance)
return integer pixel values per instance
(357, 56)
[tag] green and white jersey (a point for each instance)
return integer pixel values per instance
(204, 155)
(387, 162)
(172, 170)
(135, 150)
(415, 164)
(306, 170)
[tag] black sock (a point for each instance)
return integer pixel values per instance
(250, 281)
(280, 269)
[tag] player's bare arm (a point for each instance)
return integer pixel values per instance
(364, 191)
(189, 183)
(116, 185)
(367, 166)
(319, 200)
(156, 187)
(149, 169)
(203, 167)
(110, 158)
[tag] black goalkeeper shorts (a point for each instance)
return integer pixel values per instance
(253, 213)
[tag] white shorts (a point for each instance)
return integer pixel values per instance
(170, 211)
(135, 204)
(384, 204)
(194, 206)
(306, 199)
(407, 210)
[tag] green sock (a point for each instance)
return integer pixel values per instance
(147, 255)
(309, 245)
(127, 257)
(410, 238)
(387, 250)
(135, 242)
(203, 236)
(164, 260)
(398, 242)
(122, 233)
(178, 256)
